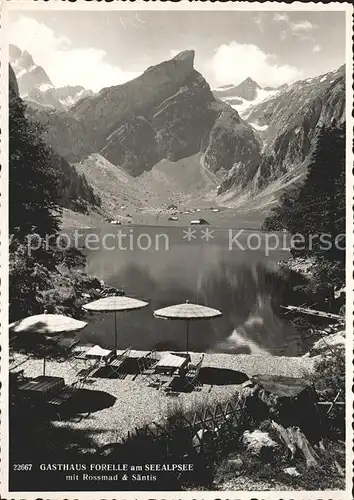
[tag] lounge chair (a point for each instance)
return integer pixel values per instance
(147, 361)
(191, 377)
(65, 395)
(75, 362)
(146, 366)
(12, 342)
(115, 363)
(150, 359)
(66, 347)
(76, 357)
(15, 378)
(173, 387)
(84, 374)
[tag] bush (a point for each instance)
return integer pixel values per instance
(48, 280)
(328, 380)
(317, 208)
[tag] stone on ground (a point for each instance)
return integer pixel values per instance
(258, 442)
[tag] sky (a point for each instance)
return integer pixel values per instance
(97, 49)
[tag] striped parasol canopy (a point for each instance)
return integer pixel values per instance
(187, 311)
(47, 324)
(115, 303)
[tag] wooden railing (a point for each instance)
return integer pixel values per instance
(206, 432)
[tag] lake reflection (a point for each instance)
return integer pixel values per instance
(244, 284)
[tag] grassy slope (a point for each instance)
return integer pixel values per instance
(184, 183)
(114, 186)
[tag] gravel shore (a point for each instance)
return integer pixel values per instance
(137, 404)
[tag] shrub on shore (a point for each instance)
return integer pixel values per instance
(329, 381)
(52, 281)
(316, 211)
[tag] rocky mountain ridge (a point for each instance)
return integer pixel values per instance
(60, 98)
(35, 86)
(287, 125)
(244, 96)
(247, 89)
(75, 191)
(167, 112)
(29, 75)
(250, 149)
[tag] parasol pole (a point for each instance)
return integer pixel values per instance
(187, 335)
(115, 330)
(45, 312)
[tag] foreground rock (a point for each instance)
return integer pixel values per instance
(260, 444)
(290, 402)
(328, 342)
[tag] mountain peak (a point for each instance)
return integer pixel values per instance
(27, 59)
(185, 55)
(29, 75)
(247, 89)
(14, 52)
(250, 81)
(175, 69)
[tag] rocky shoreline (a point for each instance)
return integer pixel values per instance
(298, 265)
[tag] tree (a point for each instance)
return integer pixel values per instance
(34, 192)
(39, 183)
(26, 277)
(316, 210)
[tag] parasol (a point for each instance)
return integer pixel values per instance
(187, 312)
(46, 324)
(116, 303)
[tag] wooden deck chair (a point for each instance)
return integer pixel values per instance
(65, 395)
(77, 358)
(12, 342)
(170, 389)
(66, 347)
(75, 363)
(147, 361)
(191, 377)
(14, 380)
(146, 366)
(150, 359)
(84, 374)
(115, 363)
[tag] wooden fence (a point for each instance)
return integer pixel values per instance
(207, 432)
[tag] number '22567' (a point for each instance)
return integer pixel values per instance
(22, 466)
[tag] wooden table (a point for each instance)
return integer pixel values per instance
(99, 354)
(133, 353)
(170, 363)
(43, 386)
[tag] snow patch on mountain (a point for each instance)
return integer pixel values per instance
(290, 120)
(223, 88)
(245, 107)
(45, 87)
(245, 96)
(258, 127)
